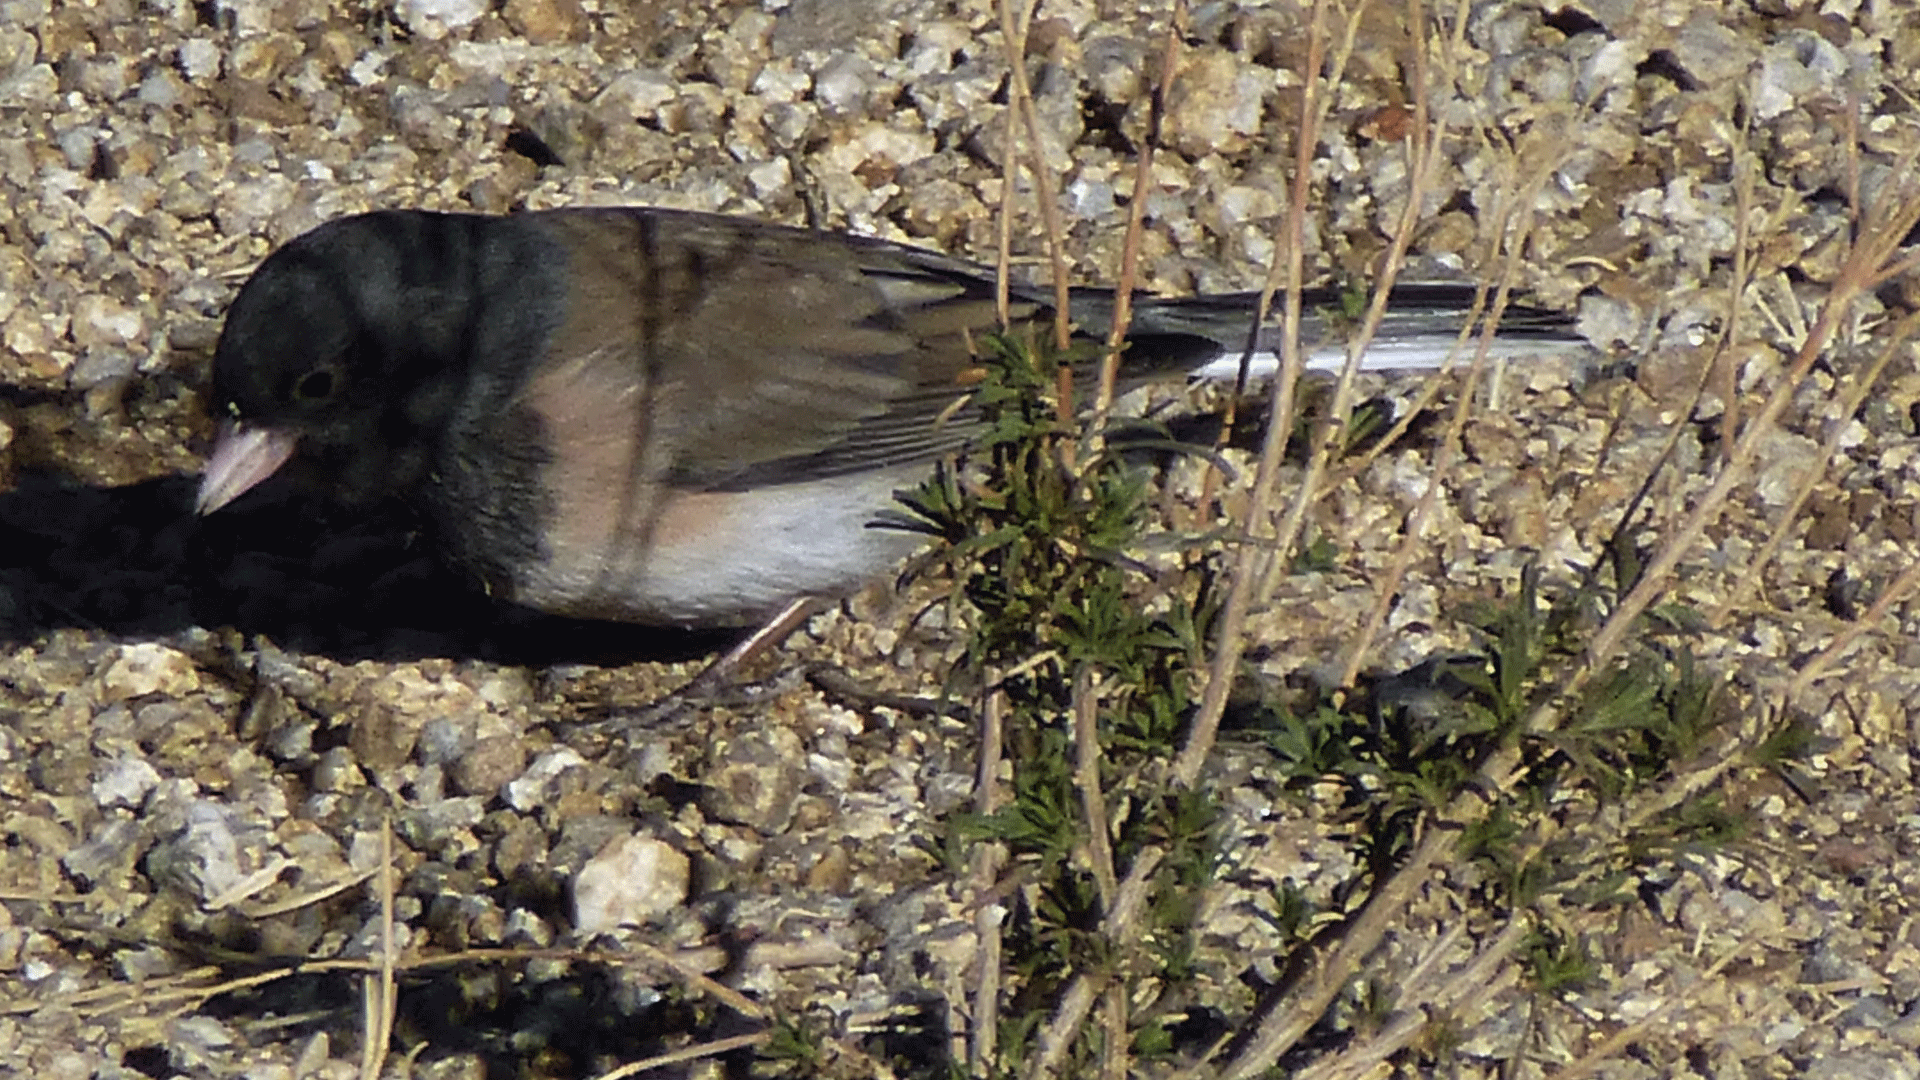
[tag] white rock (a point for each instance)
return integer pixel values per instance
(366, 71)
(1610, 67)
(124, 782)
(1215, 105)
(149, 668)
(637, 94)
(1801, 65)
(251, 17)
(633, 880)
(18, 48)
(199, 59)
(769, 178)
(433, 18)
(780, 82)
(844, 84)
(103, 320)
(34, 86)
(531, 789)
(205, 857)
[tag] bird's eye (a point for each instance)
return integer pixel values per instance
(315, 385)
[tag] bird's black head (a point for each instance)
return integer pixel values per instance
(347, 350)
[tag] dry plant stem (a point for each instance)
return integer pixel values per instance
(1424, 150)
(1291, 240)
(1086, 769)
(722, 671)
(1043, 180)
(1866, 265)
(1644, 492)
(379, 993)
(1414, 986)
(1727, 380)
(1114, 1042)
(1071, 1012)
(305, 899)
(1611, 1047)
(1341, 408)
(53, 897)
(989, 858)
(1721, 369)
(1413, 537)
(1486, 973)
(1371, 1059)
(1009, 174)
(987, 918)
(1122, 926)
(1230, 642)
(1484, 976)
(1654, 804)
(690, 1053)
(1013, 34)
(194, 988)
(1750, 575)
(1136, 222)
(1429, 390)
(1283, 1027)
(1817, 668)
(987, 861)
(1496, 777)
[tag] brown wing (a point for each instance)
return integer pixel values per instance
(765, 354)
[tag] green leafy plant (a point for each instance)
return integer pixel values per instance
(1036, 527)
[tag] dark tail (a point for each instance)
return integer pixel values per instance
(1421, 329)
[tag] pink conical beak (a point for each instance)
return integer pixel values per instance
(242, 457)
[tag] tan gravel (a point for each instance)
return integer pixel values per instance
(218, 738)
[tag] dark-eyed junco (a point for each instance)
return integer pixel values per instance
(656, 416)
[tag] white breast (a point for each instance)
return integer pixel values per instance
(729, 558)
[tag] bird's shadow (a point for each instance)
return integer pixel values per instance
(363, 584)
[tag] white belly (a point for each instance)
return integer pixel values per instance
(728, 558)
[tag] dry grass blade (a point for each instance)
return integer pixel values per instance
(32, 896)
(192, 985)
(698, 981)
(379, 993)
(308, 898)
(192, 989)
(691, 1053)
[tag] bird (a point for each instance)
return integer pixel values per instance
(666, 417)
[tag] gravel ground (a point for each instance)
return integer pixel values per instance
(206, 726)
